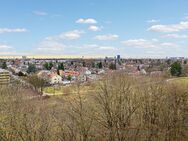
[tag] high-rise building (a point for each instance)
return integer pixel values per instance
(118, 57)
(4, 77)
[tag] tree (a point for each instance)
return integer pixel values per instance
(112, 66)
(176, 69)
(168, 62)
(37, 82)
(60, 67)
(45, 66)
(100, 65)
(31, 68)
(48, 66)
(4, 65)
(69, 78)
(84, 64)
(185, 62)
(93, 65)
(20, 73)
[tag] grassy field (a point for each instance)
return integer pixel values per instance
(66, 90)
(183, 80)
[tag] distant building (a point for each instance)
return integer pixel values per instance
(118, 57)
(69, 73)
(82, 78)
(4, 77)
(50, 77)
(55, 79)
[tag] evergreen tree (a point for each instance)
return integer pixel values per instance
(100, 65)
(4, 65)
(45, 66)
(69, 78)
(60, 67)
(84, 64)
(31, 68)
(176, 69)
(48, 66)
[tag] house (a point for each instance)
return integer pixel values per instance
(101, 71)
(69, 73)
(82, 78)
(87, 72)
(50, 77)
(55, 79)
(66, 82)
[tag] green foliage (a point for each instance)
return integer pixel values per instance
(31, 68)
(61, 66)
(176, 69)
(99, 65)
(4, 65)
(69, 78)
(48, 66)
(84, 64)
(93, 64)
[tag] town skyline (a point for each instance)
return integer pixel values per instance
(93, 29)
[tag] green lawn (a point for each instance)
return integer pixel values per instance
(72, 89)
(183, 80)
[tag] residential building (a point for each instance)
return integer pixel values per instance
(4, 77)
(50, 77)
(55, 79)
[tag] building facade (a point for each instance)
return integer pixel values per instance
(4, 77)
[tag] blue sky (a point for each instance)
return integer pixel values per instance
(131, 28)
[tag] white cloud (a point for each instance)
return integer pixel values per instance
(94, 28)
(99, 47)
(40, 13)
(140, 43)
(9, 30)
(72, 35)
(107, 48)
(172, 45)
(55, 43)
(148, 44)
(86, 21)
(153, 21)
(175, 36)
(50, 46)
(6, 49)
(107, 37)
(4, 46)
(169, 28)
(153, 48)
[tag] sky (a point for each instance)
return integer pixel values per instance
(94, 28)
